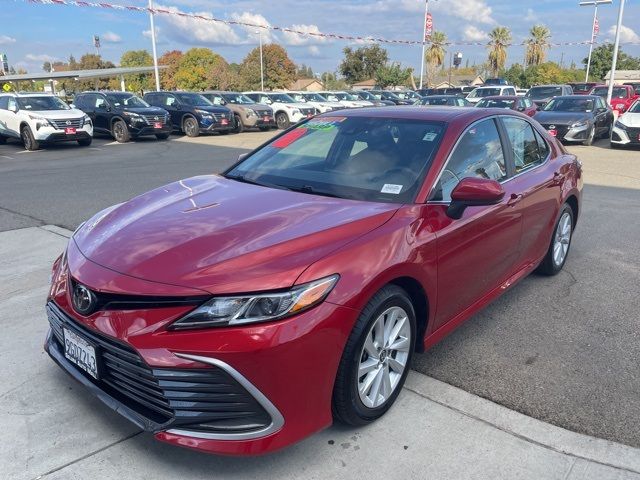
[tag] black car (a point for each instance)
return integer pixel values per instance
(577, 118)
(489, 82)
(193, 114)
(444, 101)
(424, 92)
(124, 115)
(369, 97)
(390, 96)
(542, 94)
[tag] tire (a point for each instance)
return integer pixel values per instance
(590, 138)
(85, 142)
(162, 136)
(190, 127)
(120, 131)
(264, 129)
(239, 125)
(3, 140)
(28, 140)
(282, 120)
(224, 132)
(348, 402)
(551, 265)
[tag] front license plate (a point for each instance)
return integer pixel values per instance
(157, 125)
(80, 352)
(266, 119)
(309, 115)
(224, 121)
(553, 133)
(70, 131)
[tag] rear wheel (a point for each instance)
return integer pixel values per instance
(120, 131)
(558, 250)
(29, 141)
(282, 120)
(376, 358)
(85, 142)
(190, 127)
(162, 136)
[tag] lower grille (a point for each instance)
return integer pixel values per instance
(206, 399)
(633, 134)
(67, 123)
(308, 111)
(264, 113)
(151, 119)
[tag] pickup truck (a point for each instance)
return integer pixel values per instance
(622, 98)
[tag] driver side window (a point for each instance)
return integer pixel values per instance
(477, 154)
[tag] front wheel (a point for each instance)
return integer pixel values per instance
(282, 120)
(376, 358)
(29, 141)
(558, 250)
(239, 125)
(120, 131)
(590, 137)
(85, 142)
(190, 127)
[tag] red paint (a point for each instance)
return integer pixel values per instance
(254, 238)
(289, 137)
(619, 104)
(477, 190)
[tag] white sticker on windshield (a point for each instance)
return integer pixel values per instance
(391, 188)
(430, 136)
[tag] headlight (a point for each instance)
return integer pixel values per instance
(40, 121)
(243, 309)
(86, 120)
(582, 123)
(204, 113)
(295, 111)
(251, 113)
(133, 116)
(621, 125)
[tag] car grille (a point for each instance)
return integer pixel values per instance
(67, 123)
(264, 113)
(204, 399)
(219, 116)
(561, 130)
(308, 111)
(151, 119)
(633, 133)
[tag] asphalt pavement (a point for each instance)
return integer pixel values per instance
(564, 349)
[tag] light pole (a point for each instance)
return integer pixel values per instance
(595, 3)
(261, 62)
(424, 38)
(153, 46)
(616, 45)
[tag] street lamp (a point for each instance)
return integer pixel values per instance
(153, 46)
(595, 3)
(259, 32)
(424, 39)
(616, 45)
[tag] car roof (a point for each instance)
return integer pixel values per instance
(441, 96)
(435, 114)
(502, 97)
(581, 97)
(29, 94)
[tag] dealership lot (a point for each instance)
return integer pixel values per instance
(564, 350)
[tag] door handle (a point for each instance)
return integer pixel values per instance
(515, 198)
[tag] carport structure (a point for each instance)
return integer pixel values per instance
(99, 73)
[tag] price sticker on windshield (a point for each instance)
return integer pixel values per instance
(391, 188)
(323, 123)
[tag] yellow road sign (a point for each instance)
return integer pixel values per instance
(6, 87)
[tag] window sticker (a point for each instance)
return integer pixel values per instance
(323, 123)
(430, 136)
(289, 137)
(391, 188)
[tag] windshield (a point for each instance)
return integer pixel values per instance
(346, 96)
(237, 99)
(390, 96)
(484, 92)
(407, 95)
(495, 103)
(366, 96)
(314, 97)
(298, 97)
(635, 108)
(436, 101)
(41, 103)
(361, 158)
(332, 97)
(126, 100)
(568, 104)
(582, 87)
(193, 99)
(281, 98)
(618, 92)
(544, 92)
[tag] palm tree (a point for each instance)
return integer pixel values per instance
(500, 40)
(537, 45)
(435, 54)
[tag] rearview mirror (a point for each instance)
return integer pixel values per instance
(473, 192)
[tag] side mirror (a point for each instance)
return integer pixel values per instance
(13, 108)
(472, 191)
(242, 156)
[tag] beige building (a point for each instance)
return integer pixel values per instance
(623, 76)
(443, 80)
(307, 85)
(365, 85)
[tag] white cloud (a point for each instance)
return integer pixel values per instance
(6, 40)
(531, 16)
(470, 10)
(160, 40)
(31, 57)
(190, 30)
(252, 32)
(314, 51)
(474, 34)
(110, 37)
(626, 34)
(295, 39)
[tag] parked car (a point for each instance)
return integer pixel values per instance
(424, 92)
(635, 85)
(124, 115)
(191, 113)
(626, 130)
(623, 96)
(520, 104)
(390, 96)
(286, 110)
(521, 92)
(246, 112)
(496, 81)
(443, 101)
(577, 118)
(243, 328)
(583, 88)
(459, 91)
(407, 95)
(480, 92)
(315, 100)
(467, 89)
(39, 118)
(346, 99)
(542, 94)
(369, 97)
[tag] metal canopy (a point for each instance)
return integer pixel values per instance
(79, 74)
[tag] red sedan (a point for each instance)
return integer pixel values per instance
(521, 104)
(239, 313)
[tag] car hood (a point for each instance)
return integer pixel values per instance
(630, 119)
(146, 110)
(562, 118)
(213, 108)
(224, 236)
(58, 114)
(256, 106)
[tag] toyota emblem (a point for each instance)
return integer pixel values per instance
(68, 122)
(84, 301)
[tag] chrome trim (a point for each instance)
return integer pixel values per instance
(277, 420)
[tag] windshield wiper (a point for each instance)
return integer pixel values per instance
(244, 179)
(309, 189)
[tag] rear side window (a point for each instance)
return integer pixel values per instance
(478, 154)
(4, 103)
(529, 149)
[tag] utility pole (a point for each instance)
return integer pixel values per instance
(595, 3)
(153, 46)
(616, 45)
(261, 63)
(424, 39)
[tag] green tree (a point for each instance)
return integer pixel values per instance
(305, 72)
(537, 44)
(602, 57)
(201, 69)
(392, 75)
(435, 54)
(500, 40)
(362, 63)
(279, 69)
(171, 60)
(331, 82)
(141, 81)
(90, 61)
(515, 75)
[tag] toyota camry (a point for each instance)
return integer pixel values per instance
(241, 312)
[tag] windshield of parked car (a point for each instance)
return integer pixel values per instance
(41, 103)
(366, 96)
(635, 108)
(406, 95)
(582, 87)
(390, 96)
(281, 98)
(569, 104)
(314, 97)
(618, 92)
(193, 99)
(360, 158)
(484, 92)
(495, 103)
(544, 92)
(346, 96)
(237, 99)
(433, 100)
(120, 100)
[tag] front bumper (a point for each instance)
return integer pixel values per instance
(626, 136)
(138, 129)
(208, 126)
(565, 133)
(54, 135)
(262, 121)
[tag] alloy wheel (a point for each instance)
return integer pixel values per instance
(384, 357)
(562, 239)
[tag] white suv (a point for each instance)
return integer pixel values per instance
(315, 100)
(37, 118)
(346, 99)
(479, 93)
(286, 110)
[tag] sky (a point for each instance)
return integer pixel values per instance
(31, 34)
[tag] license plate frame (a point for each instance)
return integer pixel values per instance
(157, 125)
(70, 131)
(81, 352)
(553, 133)
(224, 122)
(266, 119)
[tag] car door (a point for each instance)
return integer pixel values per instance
(87, 103)
(13, 117)
(4, 115)
(477, 252)
(536, 184)
(103, 114)
(171, 104)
